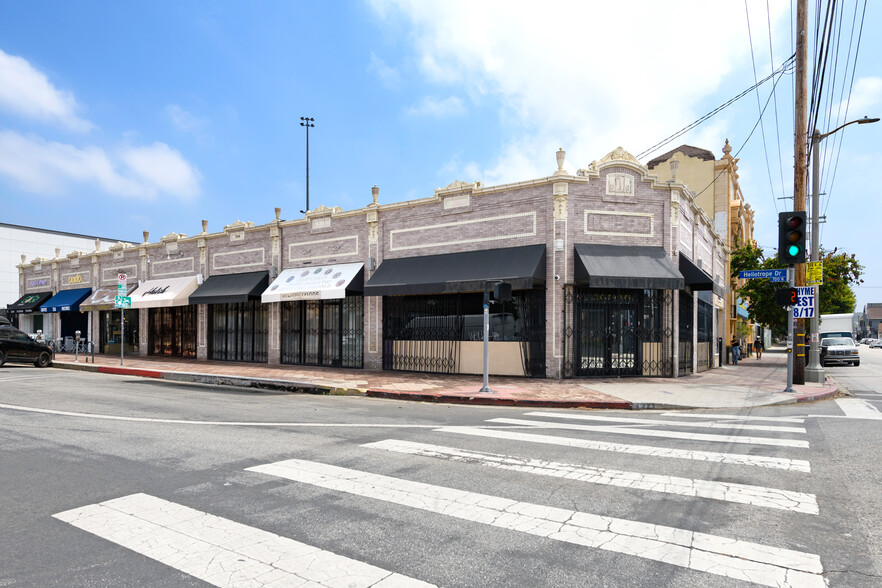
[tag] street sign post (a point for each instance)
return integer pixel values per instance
(122, 302)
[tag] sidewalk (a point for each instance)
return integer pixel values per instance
(750, 383)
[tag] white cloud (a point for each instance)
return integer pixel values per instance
(162, 168)
(389, 76)
(866, 94)
(183, 120)
(587, 76)
(27, 92)
(437, 108)
(47, 167)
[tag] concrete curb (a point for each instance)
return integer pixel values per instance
(494, 401)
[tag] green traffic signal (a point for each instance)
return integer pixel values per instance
(793, 250)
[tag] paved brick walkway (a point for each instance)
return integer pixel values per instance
(751, 383)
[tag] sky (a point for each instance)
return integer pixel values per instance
(116, 117)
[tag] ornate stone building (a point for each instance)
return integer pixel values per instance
(612, 273)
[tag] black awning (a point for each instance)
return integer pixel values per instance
(28, 303)
(696, 278)
(231, 288)
(522, 267)
(626, 267)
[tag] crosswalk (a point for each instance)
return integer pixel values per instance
(652, 454)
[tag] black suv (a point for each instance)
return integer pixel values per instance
(17, 346)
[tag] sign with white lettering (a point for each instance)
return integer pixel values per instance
(805, 308)
(123, 302)
(776, 275)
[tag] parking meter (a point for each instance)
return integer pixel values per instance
(77, 346)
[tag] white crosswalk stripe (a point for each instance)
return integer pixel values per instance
(780, 463)
(658, 422)
(620, 430)
(733, 417)
(762, 564)
(730, 492)
(222, 552)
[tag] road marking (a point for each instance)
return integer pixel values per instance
(107, 417)
(778, 463)
(19, 378)
(728, 492)
(733, 558)
(638, 421)
(737, 417)
(220, 551)
(855, 408)
(658, 433)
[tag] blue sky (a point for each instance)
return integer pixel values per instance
(121, 116)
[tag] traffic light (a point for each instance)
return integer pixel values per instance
(786, 297)
(791, 237)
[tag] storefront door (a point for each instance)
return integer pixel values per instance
(607, 335)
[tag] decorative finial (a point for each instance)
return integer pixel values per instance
(727, 149)
(561, 156)
(675, 166)
(97, 244)
(278, 212)
(146, 234)
(58, 252)
(23, 258)
(375, 193)
(204, 226)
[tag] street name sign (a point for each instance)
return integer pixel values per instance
(775, 275)
(805, 308)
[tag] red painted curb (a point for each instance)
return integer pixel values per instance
(122, 371)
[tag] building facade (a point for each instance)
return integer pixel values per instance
(718, 193)
(613, 272)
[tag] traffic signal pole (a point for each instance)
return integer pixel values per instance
(790, 333)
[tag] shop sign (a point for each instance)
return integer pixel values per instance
(36, 283)
(77, 279)
(155, 290)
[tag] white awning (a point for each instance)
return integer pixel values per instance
(161, 292)
(323, 282)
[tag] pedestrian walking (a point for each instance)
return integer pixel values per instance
(736, 350)
(758, 345)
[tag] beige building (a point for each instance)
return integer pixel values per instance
(718, 193)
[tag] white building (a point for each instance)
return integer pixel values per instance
(19, 243)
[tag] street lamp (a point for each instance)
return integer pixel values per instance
(814, 372)
(307, 122)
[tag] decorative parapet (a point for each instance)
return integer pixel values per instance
(172, 237)
(618, 154)
(458, 186)
(238, 226)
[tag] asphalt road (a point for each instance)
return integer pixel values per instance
(121, 481)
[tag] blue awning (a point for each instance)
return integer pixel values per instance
(66, 300)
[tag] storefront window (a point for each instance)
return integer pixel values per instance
(324, 332)
(112, 333)
(173, 331)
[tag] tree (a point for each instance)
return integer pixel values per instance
(841, 270)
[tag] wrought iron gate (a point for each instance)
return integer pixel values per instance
(684, 367)
(425, 333)
(705, 328)
(238, 331)
(617, 332)
(324, 332)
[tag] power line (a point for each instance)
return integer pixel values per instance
(787, 65)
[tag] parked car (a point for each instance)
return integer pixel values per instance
(17, 346)
(875, 343)
(839, 350)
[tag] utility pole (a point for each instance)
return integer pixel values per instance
(307, 122)
(800, 126)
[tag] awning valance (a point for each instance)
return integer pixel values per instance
(164, 292)
(626, 267)
(104, 298)
(522, 267)
(696, 278)
(323, 282)
(28, 303)
(231, 288)
(66, 300)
